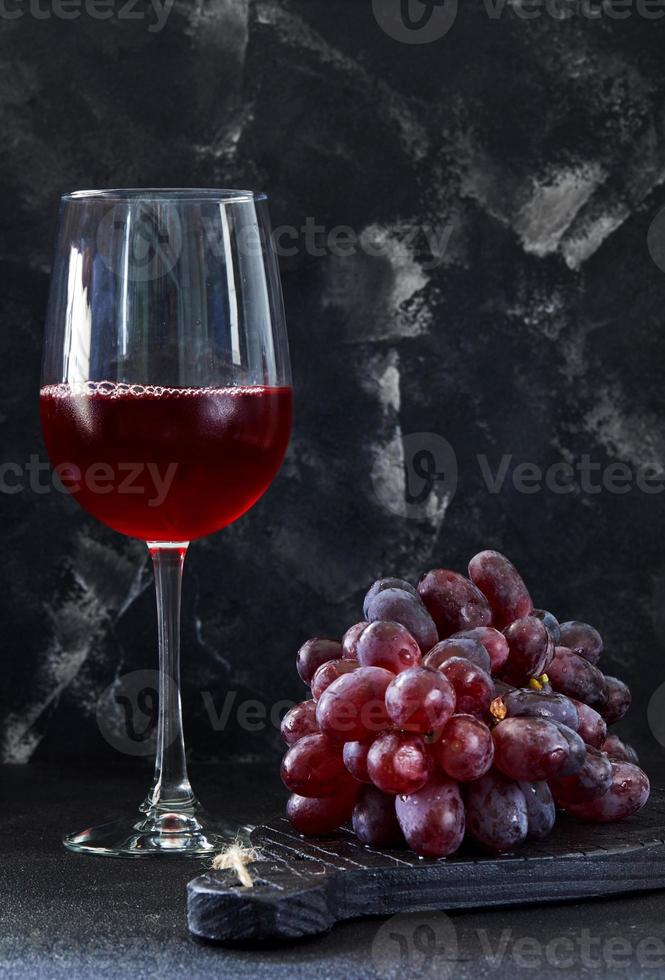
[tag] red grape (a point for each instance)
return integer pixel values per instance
(388, 645)
(374, 819)
(453, 602)
(582, 639)
(574, 676)
(592, 728)
(350, 640)
(627, 794)
(314, 767)
(466, 748)
(593, 779)
(494, 642)
(531, 650)
(458, 686)
(315, 652)
(618, 700)
(387, 583)
(525, 703)
(353, 707)
(619, 751)
(399, 763)
(531, 749)
(496, 812)
(465, 646)
(501, 583)
(474, 688)
(551, 622)
(327, 673)
(397, 606)
(432, 819)
(577, 750)
(420, 700)
(354, 755)
(299, 721)
(540, 808)
(321, 816)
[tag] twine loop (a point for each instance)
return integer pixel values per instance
(236, 857)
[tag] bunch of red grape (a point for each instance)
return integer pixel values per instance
(457, 709)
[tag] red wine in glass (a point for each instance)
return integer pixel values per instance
(166, 464)
(166, 411)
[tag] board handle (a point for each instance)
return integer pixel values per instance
(282, 903)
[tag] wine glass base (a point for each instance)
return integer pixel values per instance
(167, 833)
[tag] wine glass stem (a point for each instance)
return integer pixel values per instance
(171, 789)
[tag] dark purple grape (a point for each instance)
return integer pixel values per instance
(432, 819)
(618, 700)
(466, 647)
(387, 583)
(593, 779)
(501, 583)
(327, 673)
(582, 639)
(399, 763)
(530, 650)
(354, 755)
(574, 676)
(420, 700)
(577, 749)
(353, 708)
(321, 816)
(496, 812)
(627, 794)
(374, 819)
(299, 721)
(388, 645)
(397, 606)
(525, 703)
(314, 767)
(618, 751)
(313, 654)
(540, 808)
(466, 749)
(530, 749)
(494, 642)
(592, 727)
(350, 640)
(551, 622)
(453, 602)
(474, 688)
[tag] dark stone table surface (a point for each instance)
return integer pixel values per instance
(65, 915)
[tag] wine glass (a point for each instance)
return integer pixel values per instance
(166, 410)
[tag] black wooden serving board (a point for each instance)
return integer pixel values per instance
(303, 886)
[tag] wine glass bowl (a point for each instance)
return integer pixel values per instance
(166, 410)
(166, 464)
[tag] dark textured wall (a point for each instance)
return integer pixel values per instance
(532, 153)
